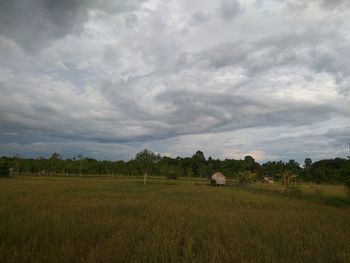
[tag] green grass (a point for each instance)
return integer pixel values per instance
(121, 220)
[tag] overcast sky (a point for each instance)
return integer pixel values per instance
(108, 78)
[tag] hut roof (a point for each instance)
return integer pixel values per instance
(219, 178)
(217, 175)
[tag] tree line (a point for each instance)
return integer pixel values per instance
(147, 162)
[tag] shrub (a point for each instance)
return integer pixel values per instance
(288, 180)
(246, 177)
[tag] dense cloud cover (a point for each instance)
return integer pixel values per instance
(107, 78)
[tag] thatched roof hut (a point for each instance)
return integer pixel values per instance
(218, 178)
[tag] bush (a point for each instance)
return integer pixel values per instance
(246, 177)
(289, 182)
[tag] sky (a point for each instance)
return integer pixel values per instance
(108, 78)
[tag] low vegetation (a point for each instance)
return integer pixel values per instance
(289, 183)
(120, 219)
(347, 187)
(246, 177)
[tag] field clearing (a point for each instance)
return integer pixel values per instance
(57, 219)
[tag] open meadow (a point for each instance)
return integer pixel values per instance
(57, 219)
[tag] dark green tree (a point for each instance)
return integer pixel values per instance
(199, 163)
(4, 168)
(306, 173)
(307, 163)
(54, 162)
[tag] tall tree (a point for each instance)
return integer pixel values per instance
(199, 160)
(146, 160)
(306, 173)
(307, 163)
(199, 156)
(54, 162)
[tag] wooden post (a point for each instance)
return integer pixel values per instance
(144, 178)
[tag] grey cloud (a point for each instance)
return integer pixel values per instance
(199, 18)
(317, 145)
(151, 83)
(224, 54)
(339, 136)
(9, 51)
(193, 112)
(188, 112)
(33, 24)
(297, 5)
(331, 4)
(232, 112)
(333, 61)
(70, 149)
(318, 51)
(111, 55)
(131, 20)
(229, 9)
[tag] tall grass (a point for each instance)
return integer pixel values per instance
(122, 220)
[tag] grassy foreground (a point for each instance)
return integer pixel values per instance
(122, 220)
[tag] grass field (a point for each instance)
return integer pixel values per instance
(121, 220)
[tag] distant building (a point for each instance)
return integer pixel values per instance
(44, 173)
(268, 179)
(13, 171)
(218, 179)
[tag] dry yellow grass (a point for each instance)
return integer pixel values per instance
(122, 220)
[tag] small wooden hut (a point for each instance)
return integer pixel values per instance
(218, 179)
(268, 180)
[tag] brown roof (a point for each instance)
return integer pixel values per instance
(217, 174)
